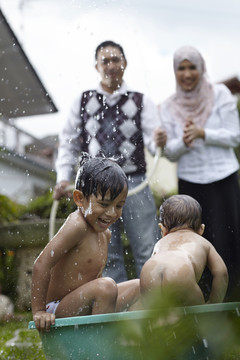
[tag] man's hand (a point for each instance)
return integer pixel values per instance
(43, 320)
(60, 190)
(160, 137)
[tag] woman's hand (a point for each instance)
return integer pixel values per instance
(192, 132)
(160, 137)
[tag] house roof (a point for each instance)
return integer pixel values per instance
(22, 92)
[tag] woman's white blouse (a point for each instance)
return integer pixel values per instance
(213, 158)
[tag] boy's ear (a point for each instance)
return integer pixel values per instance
(163, 229)
(201, 229)
(78, 197)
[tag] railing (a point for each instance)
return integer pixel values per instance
(21, 142)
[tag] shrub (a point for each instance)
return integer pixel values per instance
(9, 210)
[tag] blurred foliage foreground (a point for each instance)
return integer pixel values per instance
(175, 333)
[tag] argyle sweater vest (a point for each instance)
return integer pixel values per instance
(114, 130)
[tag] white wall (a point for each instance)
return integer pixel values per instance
(20, 184)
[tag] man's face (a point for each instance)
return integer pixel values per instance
(111, 65)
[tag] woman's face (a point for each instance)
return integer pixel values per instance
(187, 75)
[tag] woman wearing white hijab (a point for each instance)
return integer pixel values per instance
(202, 125)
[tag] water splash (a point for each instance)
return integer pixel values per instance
(88, 211)
(80, 276)
(205, 343)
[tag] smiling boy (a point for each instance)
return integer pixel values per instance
(67, 274)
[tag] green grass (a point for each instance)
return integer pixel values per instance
(18, 342)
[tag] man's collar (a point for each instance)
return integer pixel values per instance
(122, 90)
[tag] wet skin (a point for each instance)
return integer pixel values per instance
(70, 267)
(178, 261)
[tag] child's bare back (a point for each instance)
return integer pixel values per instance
(184, 247)
(181, 256)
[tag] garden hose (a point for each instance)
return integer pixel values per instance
(131, 192)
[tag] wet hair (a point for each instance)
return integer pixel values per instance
(97, 175)
(181, 211)
(109, 43)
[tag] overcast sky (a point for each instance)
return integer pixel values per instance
(60, 37)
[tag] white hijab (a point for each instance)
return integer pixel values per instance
(196, 104)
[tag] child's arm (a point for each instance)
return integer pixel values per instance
(220, 276)
(40, 281)
(63, 241)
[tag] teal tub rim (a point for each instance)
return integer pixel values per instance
(140, 314)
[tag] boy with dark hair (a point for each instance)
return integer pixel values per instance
(67, 276)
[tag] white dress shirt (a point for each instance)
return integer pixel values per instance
(69, 144)
(213, 158)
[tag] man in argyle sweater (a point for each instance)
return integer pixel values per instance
(119, 123)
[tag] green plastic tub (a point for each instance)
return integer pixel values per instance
(206, 330)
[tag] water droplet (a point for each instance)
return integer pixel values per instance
(79, 276)
(205, 343)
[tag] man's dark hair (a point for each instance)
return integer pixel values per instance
(181, 211)
(97, 175)
(109, 43)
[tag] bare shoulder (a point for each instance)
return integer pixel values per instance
(75, 221)
(72, 231)
(205, 242)
(181, 238)
(157, 246)
(70, 235)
